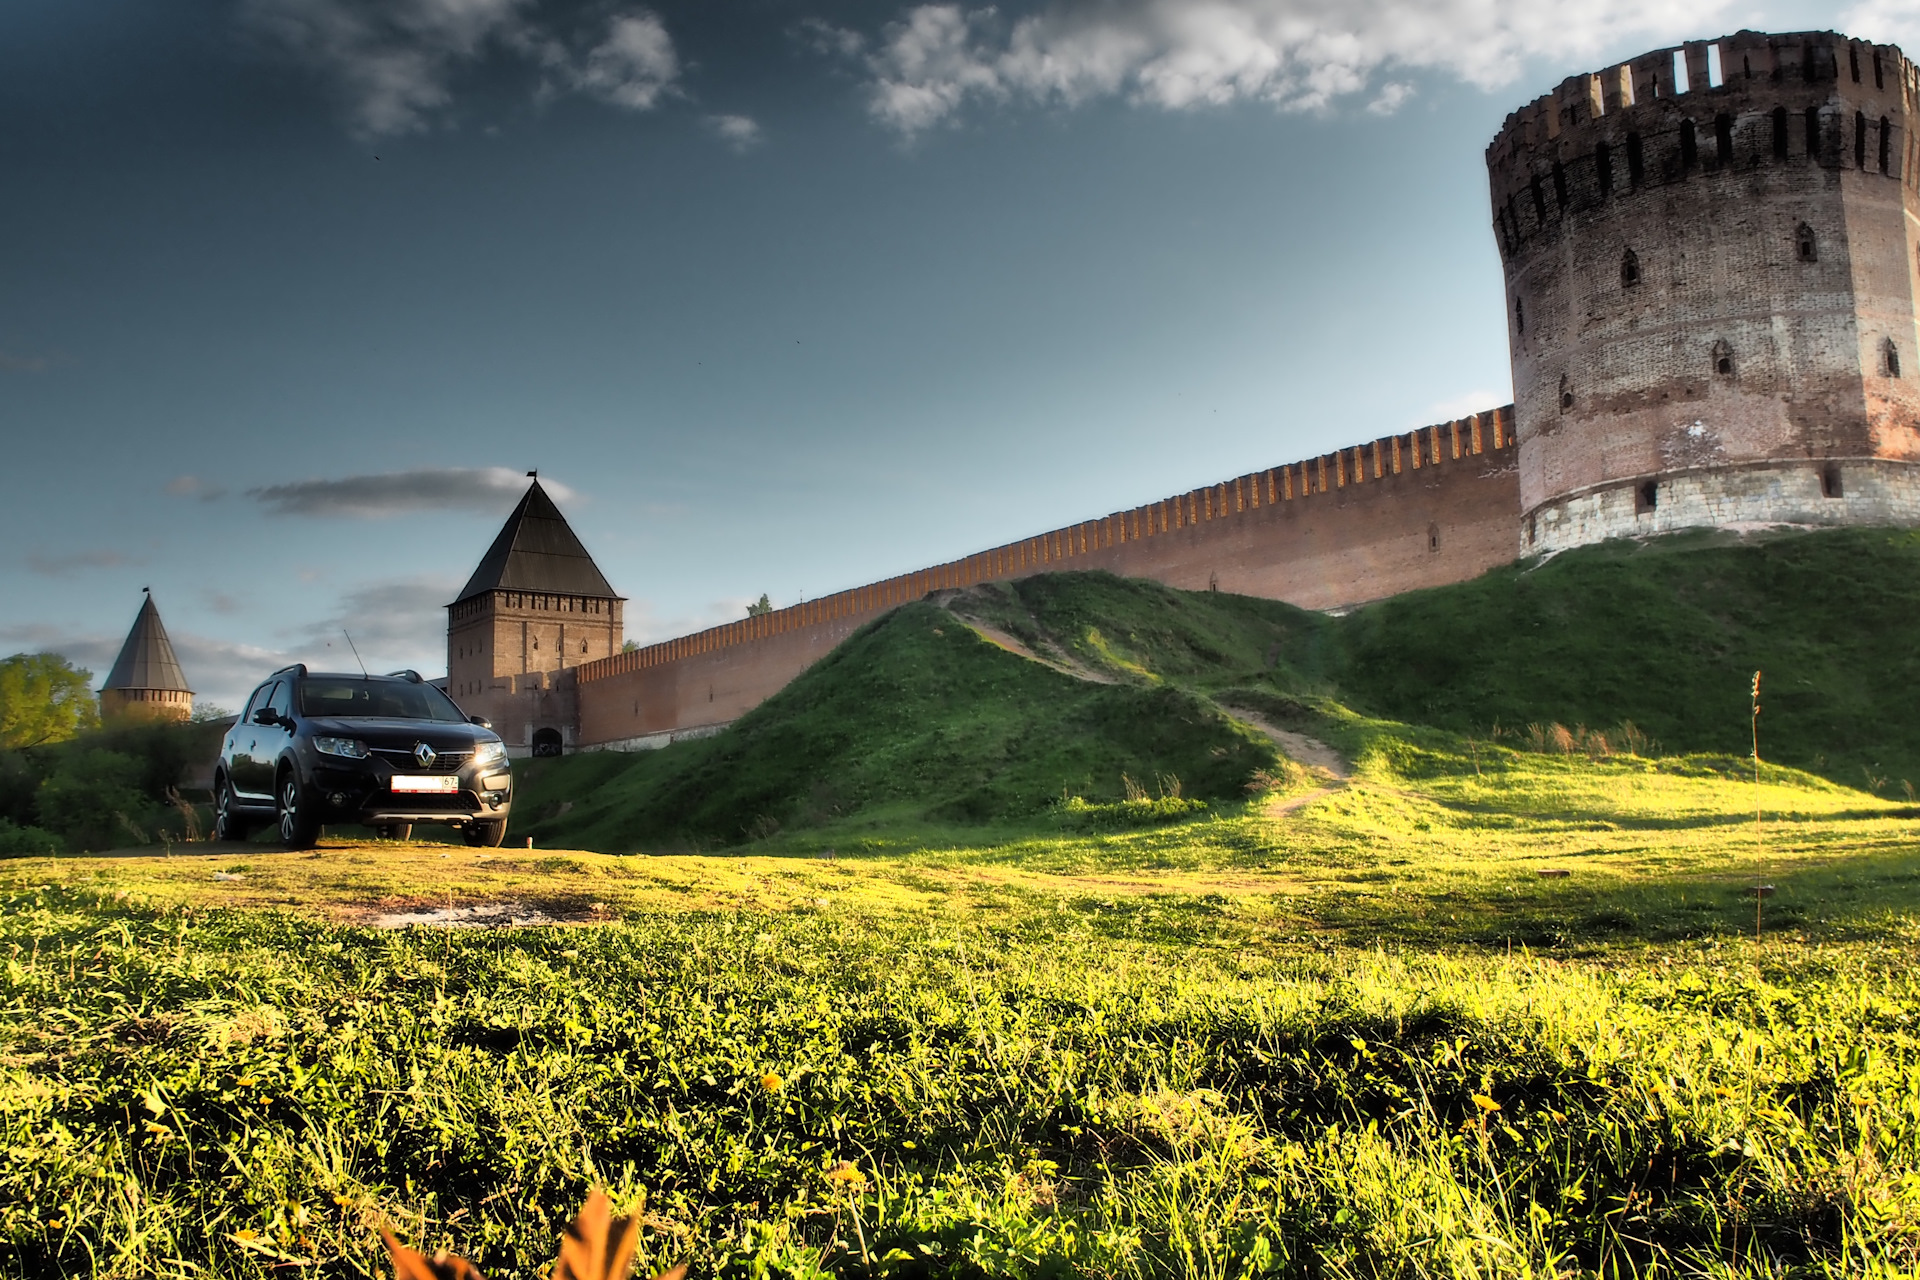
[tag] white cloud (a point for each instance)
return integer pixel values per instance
(394, 62)
(1296, 55)
(485, 489)
(1460, 406)
(632, 66)
(1884, 22)
(742, 133)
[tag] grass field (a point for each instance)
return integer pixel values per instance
(1347, 1029)
(1008, 942)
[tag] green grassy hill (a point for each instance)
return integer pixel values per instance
(920, 718)
(916, 717)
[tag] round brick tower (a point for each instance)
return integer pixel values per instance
(1710, 258)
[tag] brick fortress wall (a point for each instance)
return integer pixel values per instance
(1711, 290)
(1434, 506)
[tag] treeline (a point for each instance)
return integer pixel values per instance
(105, 789)
(67, 784)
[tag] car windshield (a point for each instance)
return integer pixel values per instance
(385, 699)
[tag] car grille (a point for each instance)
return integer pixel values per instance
(402, 760)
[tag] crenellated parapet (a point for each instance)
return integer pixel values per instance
(1698, 109)
(1136, 541)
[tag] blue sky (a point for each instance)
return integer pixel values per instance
(777, 296)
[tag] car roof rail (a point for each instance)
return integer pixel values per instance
(298, 668)
(409, 674)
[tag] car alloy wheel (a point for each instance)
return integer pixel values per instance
(298, 829)
(226, 823)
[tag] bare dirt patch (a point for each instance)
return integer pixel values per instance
(505, 914)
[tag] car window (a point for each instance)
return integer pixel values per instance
(257, 701)
(282, 700)
(387, 699)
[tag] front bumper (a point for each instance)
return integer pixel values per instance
(366, 796)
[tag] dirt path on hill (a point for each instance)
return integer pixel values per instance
(1062, 661)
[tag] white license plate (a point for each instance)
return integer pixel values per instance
(438, 782)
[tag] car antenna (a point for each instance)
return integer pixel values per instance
(356, 654)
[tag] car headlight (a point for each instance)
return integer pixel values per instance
(490, 752)
(351, 748)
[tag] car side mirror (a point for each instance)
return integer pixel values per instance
(482, 721)
(266, 715)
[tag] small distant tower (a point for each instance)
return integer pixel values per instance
(146, 682)
(535, 608)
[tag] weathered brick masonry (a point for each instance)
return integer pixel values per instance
(1429, 507)
(1711, 290)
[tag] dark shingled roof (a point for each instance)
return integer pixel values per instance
(537, 551)
(146, 660)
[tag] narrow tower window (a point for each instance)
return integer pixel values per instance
(1689, 147)
(1560, 184)
(1603, 167)
(1830, 481)
(1890, 358)
(1433, 537)
(1886, 144)
(1813, 134)
(1636, 160)
(1853, 61)
(1779, 133)
(1629, 270)
(1566, 393)
(1723, 137)
(1805, 247)
(1859, 139)
(1879, 81)
(1723, 359)
(1519, 316)
(1646, 498)
(1539, 200)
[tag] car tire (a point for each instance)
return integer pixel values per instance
(485, 835)
(394, 831)
(228, 825)
(299, 820)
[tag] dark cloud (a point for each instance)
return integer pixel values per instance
(220, 671)
(395, 63)
(59, 566)
(493, 490)
(393, 624)
(194, 487)
(14, 362)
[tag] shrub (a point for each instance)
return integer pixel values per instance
(93, 800)
(18, 841)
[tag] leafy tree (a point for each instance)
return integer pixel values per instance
(630, 646)
(760, 606)
(44, 698)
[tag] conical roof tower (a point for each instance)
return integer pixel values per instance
(536, 608)
(537, 550)
(146, 681)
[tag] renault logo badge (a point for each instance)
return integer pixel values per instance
(424, 755)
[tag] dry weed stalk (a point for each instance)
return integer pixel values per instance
(596, 1246)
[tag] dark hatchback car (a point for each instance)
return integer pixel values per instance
(382, 751)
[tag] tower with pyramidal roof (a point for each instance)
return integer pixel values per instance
(146, 682)
(535, 608)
